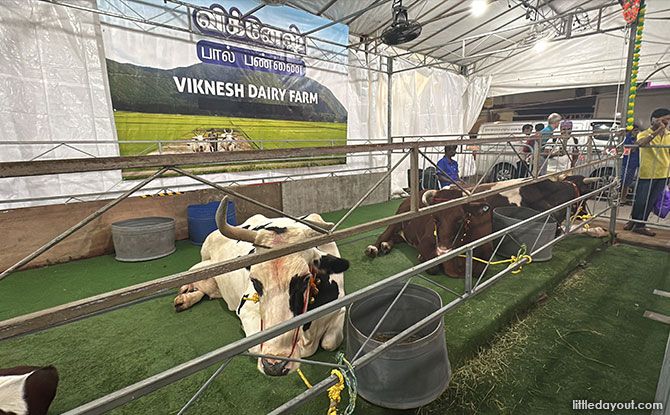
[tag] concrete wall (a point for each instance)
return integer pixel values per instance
(331, 193)
(26, 229)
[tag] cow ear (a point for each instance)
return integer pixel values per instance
(332, 264)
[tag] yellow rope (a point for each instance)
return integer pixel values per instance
(334, 392)
(582, 217)
(254, 298)
(513, 260)
(304, 379)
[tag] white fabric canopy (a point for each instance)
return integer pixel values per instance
(56, 91)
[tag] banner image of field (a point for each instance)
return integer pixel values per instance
(244, 84)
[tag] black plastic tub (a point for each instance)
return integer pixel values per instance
(534, 234)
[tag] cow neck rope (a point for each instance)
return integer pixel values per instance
(465, 227)
(306, 299)
(586, 216)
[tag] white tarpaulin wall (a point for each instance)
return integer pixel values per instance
(54, 88)
(594, 60)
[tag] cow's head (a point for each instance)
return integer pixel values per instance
(457, 226)
(581, 184)
(287, 286)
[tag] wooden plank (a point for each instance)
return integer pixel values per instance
(662, 293)
(657, 316)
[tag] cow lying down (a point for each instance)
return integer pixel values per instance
(285, 287)
(27, 390)
(454, 227)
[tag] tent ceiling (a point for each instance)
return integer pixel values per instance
(447, 23)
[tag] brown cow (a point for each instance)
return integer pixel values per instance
(437, 234)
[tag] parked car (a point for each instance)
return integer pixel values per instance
(503, 161)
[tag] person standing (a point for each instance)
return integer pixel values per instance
(553, 122)
(522, 166)
(629, 163)
(654, 169)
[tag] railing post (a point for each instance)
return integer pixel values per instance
(414, 178)
(614, 199)
(536, 158)
(568, 223)
(468, 270)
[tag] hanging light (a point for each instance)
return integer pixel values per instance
(541, 45)
(478, 7)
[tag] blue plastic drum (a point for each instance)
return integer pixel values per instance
(202, 222)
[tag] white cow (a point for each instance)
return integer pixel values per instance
(228, 140)
(286, 286)
(199, 144)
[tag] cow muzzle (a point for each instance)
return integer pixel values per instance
(272, 367)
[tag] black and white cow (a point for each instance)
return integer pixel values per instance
(285, 287)
(27, 390)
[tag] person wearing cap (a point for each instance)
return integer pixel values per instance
(654, 169)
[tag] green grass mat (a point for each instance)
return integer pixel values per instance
(101, 354)
(588, 341)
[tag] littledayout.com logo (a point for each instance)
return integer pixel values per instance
(583, 404)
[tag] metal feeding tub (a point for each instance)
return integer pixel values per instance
(143, 239)
(411, 373)
(533, 235)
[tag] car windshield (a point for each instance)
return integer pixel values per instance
(601, 130)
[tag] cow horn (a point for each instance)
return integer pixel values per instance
(591, 180)
(323, 225)
(232, 232)
(428, 197)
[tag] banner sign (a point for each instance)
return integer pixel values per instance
(216, 21)
(224, 76)
(226, 55)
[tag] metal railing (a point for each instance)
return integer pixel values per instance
(74, 311)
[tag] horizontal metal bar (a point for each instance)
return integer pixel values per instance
(41, 320)
(237, 181)
(78, 165)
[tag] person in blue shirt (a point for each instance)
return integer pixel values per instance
(630, 163)
(447, 173)
(546, 134)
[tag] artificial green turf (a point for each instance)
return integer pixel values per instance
(101, 354)
(588, 341)
(40, 288)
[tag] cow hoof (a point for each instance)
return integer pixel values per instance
(371, 251)
(385, 248)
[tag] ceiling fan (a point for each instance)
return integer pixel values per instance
(402, 30)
